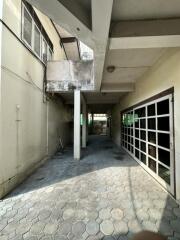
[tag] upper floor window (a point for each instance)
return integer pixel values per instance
(27, 28)
(44, 51)
(34, 35)
(37, 41)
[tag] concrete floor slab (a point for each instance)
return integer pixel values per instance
(106, 195)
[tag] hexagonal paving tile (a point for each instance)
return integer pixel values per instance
(80, 214)
(117, 213)
(107, 227)
(50, 228)
(68, 213)
(108, 238)
(105, 213)
(58, 237)
(134, 226)
(78, 228)
(88, 200)
(64, 228)
(177, 212)
(121, 227)
(175, 224)
(165, 228)
(92, 227)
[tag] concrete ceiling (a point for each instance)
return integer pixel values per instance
(102, 98)
(86, 4)
(97, 102)
(133, 57)
(145, 9)
(131, 9)
(67, 97)
(99, 108)
(79, 8)
(130, 64)
(131, 35)
(94, 97)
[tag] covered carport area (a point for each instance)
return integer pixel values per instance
(106, 195)
(108, 187)
(132, 43)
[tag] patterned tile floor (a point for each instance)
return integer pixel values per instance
(106, 195)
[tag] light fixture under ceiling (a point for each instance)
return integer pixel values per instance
(111, 68)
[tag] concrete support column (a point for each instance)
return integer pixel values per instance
(77, 126)
(84, 126)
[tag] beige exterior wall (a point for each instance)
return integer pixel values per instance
(165, 74)
(59, 125)
(31, 125)
(1, 7)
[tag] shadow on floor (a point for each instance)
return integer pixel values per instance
(100, 153)
(145, 205)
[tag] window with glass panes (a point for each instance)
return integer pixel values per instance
(33, 34)
(147, 134)
(27, 27)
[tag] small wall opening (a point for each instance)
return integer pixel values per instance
(98, 124)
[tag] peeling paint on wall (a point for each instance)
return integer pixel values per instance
(69, 75)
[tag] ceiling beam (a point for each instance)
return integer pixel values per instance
(79, 10)
(62, 16)
(68, 39)
(145, 42)
(97, 101)
(103, 101)
(101, 18)
(155, 27)
(120, 87)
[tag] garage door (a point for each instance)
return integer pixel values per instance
(147, 134)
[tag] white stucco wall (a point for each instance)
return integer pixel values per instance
(1, 8)
(165, 74)
(30, 125)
